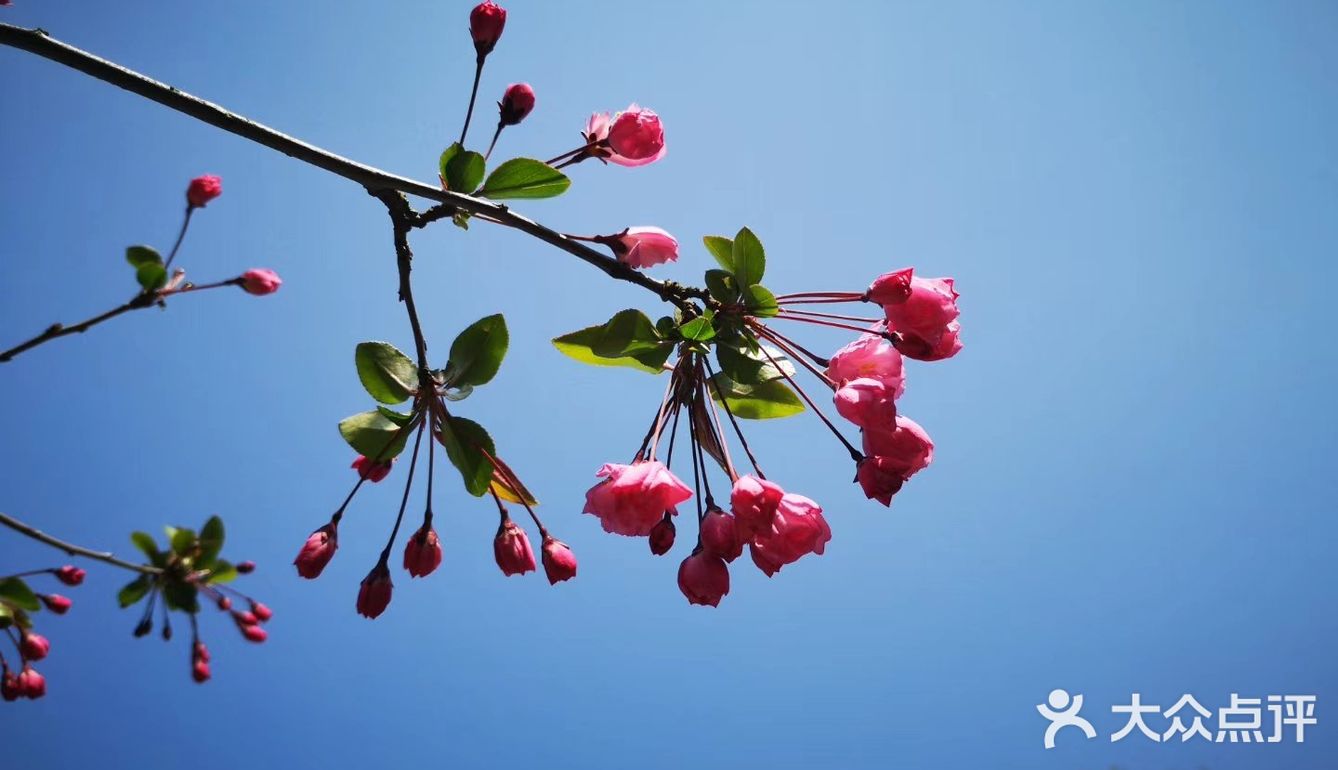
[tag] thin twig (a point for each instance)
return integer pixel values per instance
(72, 549)
(58, 330)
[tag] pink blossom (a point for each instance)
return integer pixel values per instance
(662, 536)
(70, 575)
(34, 646)
(636, 137)
(643, 247)
(633, 498)
(559, 561)
(932, 305)
(890, 288)
(754, 502)
(56, 603)
(422, 554)
(797, 529)
(906, 449)
(203, 189)
(260, 281)
(517, 102)
(370, 469)
(869, 356)
(720, 537)
(880, 478)
(703, 578)
(866, 402)
(317, 551)
(511, 548)
(374, 593)
(486, 23)
(948, 345)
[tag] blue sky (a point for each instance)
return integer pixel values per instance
(1132, 487)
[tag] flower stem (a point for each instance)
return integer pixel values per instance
(74, 550)
(473, 94)
(181, 235)
(404, 501)
(854, 453)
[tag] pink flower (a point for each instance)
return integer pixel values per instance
(636, 137)
(643, 247)
(203, 189)
(932, 305)
(947, 346)
(866, 402)
(370, 469)
(260, 281)
(559, 561)
(703, 578)
(374, 593)
(720, 537)
(70, 575)
(317, 551)
(662, 536)
(56, 603)
(31, 683)
(890, 288)
(512, 549)
(422, 554)
(797, 529)
(754, 502)
(517, 102)
(633, 498)
(34, 646)
(906, 449)
(486, 23)
(880, 478)
(869, 356)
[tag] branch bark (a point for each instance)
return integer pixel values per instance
(38, 42)
(72, 549)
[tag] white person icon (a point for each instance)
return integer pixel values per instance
(1063, 712)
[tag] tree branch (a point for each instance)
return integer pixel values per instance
(74, 550)
(38, 42)
(141, 300)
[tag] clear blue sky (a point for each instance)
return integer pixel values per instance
(1133, 487)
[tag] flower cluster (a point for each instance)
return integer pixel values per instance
(18, 602)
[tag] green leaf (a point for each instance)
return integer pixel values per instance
(17, 593)
(477, 353)
(750, 261)
(748, 365)
(626, 333)
(722, 286)
(766, 401)
(152, 276)
(182, 540)
(134, 591)
(627, 339)
(461, 219)
(760, 301)
(387, 374)
(179, 595)
(222, 572)
(374, 436)
(722, 249)
(211, 542)
(6, 616)
(463, 439)
(461, 170)
(524, 178)
(143, 255)
(399, 418)
(698, 329)
(144, 542)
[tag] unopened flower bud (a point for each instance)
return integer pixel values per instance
(720, 536)
(636, 137)
(374, 593)
(224, 603)
(9, 686)
(317, 551)
(486, 23)
(559, 561)
(890, 288)
(144, 627)
(31, 683)
(260, 281)
(642, 247)
(203, 189)
(246, 567)
(56, 603)
(253, 633)
(34, 646)
(70, 575)
(370, 469)
(662, 536)
(517, 102)
(703, 578)
(199, 671)
(422, 554)
(261, 612)
(511, 547)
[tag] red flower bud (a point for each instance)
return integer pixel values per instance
(245, 618)
(34, 646)
(422, 554)
(200, 652)
(31, 683)
(199, 671)
(559, 561)
(720, 536)
(703, 578)
(486, 23)
(56, 603)
(70, 575)
(9, 686)
(246, 567)
(224, 603)
(890, 288)
(260, 281)
(662, 536)
(512, 549)
(203, 189)
(371, 470)
(317, 551)
(261, 612)
(253, 633)
(517, 102)
(374, 594)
